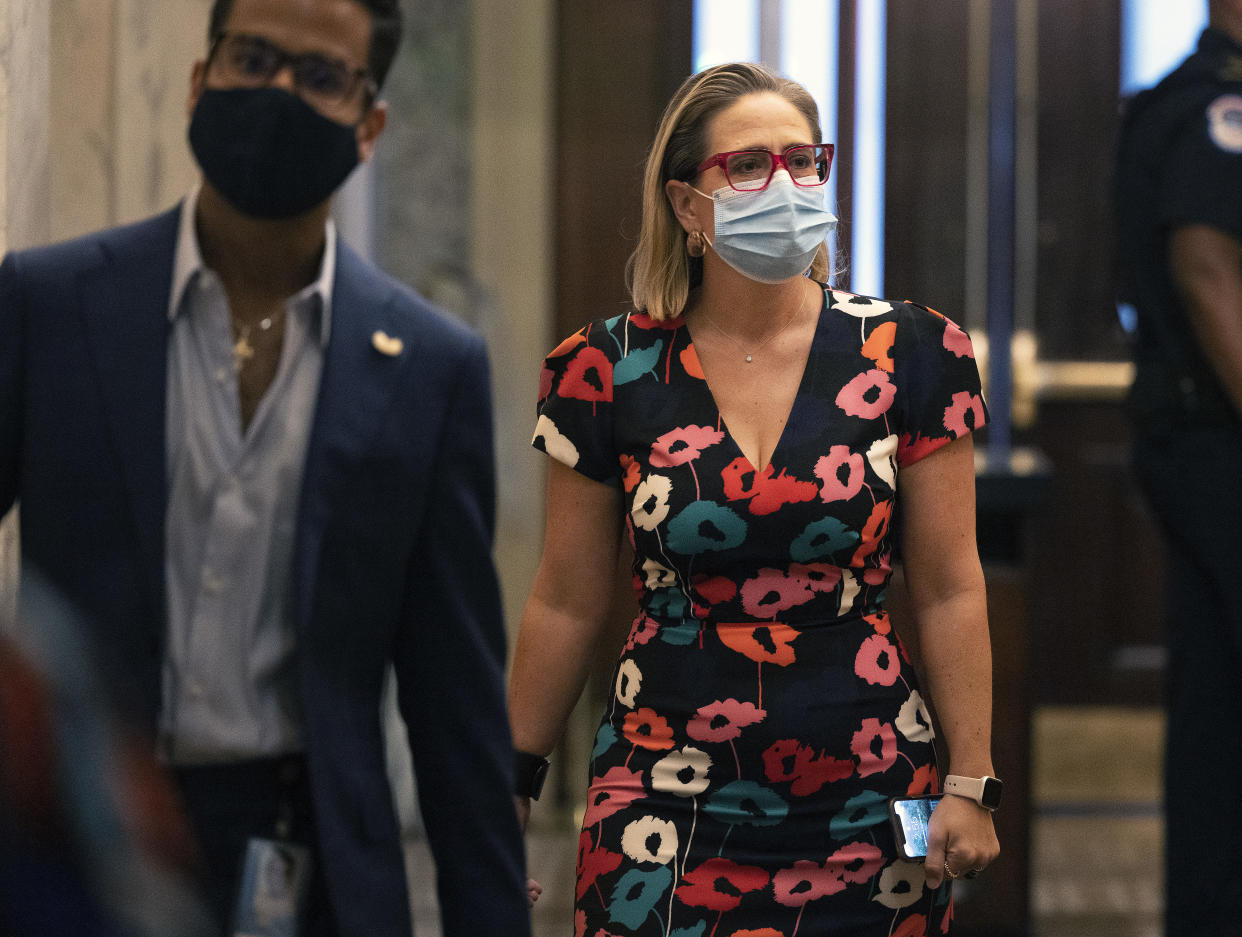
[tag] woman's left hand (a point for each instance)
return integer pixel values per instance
(960, 840)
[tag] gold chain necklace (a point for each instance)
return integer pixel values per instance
(750, 354)
(243, 351)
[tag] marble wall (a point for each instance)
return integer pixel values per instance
(24, 80)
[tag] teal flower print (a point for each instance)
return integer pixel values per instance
(822, 538)
(636, 894)
(861, 813)
(637, 363)
(746, 802)
(704, 526)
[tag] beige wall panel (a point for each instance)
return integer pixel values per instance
(157, 43)
(81, 131)
(24, 181)
(23, 113)
(511, 254)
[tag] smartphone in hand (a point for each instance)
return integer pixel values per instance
(910, 816)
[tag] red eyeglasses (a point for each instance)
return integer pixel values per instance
(752, 170)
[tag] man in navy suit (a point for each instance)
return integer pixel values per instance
(263, 472)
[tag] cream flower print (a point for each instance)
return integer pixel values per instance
(658, 576)
(914, 719)
(683, 772)
(555, 444)
(648, 839)
(862, 307)
(629, 682)
(901, 885)
(883, 458)
(651, 501)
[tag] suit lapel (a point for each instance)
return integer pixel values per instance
(124, 305)
(369, 355)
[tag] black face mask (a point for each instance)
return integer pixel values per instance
(268, 152)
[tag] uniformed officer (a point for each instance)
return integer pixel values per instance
(1179, 212)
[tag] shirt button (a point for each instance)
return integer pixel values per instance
(194, 689)
(223, 375)
(212, 584)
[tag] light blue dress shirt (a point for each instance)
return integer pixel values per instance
(229, 678)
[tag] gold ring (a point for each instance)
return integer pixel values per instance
(949, 872)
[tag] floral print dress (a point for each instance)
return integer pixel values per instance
(763, 710)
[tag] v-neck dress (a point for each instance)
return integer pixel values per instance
(762, 710)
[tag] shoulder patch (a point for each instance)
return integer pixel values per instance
(1224, 117)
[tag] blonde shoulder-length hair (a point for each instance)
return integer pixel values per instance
(660, 272)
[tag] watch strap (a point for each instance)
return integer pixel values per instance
(529, 774)
(985, 791)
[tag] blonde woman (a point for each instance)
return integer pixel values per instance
(749, 429)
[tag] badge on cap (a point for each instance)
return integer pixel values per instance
(1225, 122)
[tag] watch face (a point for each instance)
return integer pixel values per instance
(992, 790)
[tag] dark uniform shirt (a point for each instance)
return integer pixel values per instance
(1179, 163)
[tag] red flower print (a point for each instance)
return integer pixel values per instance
(719, 884)
(767, 644)
(818, 577)
(644, 321)
(964, 404)
(863, 746)
(790, 760)
(878, 575)
(767, 491)
(713, 590)
(913, 448)
(723, 720)
(592, 862)
(761, 932)
(856, 863)
(646, 729)
(631, 471)
(877, 661)
(642, 631)
(926, 781)
(867, 395)
(956, 340)
(690, 362)
(579, 921)
(771, 592)
(873, 531)
(588, 376)
(806, 881)
(913, 926)
(546, 376)
(615, 790)
(879, 346)
(829, 470)
(683, 444)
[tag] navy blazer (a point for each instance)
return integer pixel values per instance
(392, 558)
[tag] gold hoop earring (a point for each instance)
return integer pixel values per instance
(696, 244)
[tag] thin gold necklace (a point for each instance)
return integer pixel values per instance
(758, 348)
(243, 351)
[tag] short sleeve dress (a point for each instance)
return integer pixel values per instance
(762, 711)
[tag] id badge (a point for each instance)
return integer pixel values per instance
(275, 877)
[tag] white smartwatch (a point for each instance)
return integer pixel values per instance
(985, 791)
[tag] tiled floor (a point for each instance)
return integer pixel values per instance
(1096, 837)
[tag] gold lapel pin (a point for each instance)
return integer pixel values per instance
(385, 344)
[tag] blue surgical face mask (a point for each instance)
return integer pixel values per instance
(773, 234)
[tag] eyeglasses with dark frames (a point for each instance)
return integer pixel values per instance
(321, 81)
(752, 170)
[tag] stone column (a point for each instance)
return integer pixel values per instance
(24, 185)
